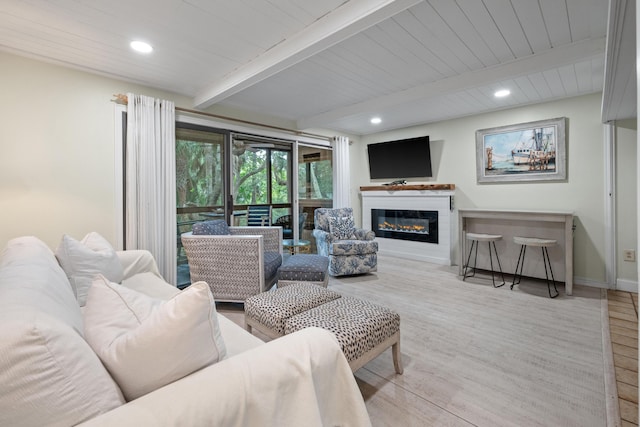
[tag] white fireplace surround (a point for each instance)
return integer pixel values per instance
(420, 200)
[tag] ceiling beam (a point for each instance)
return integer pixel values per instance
(349, 19)
(555, 57)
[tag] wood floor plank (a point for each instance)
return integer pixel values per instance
(623, 309)
(624, 324)
(625, 362)
(627, 392)
(626, 376)
(629, 411)
(625, 350)
(616, 303)
(631, 317)
(622, 294)
(629, 341)
(629, 333)
(615, 297)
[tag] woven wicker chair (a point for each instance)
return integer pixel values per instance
(236, 266)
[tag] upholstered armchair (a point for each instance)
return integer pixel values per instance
(236, 262)
(350, 250)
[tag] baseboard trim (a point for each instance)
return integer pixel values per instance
(626, 285)
(414, 256)
(621, 284)
(590, 282)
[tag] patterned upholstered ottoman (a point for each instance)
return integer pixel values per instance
(268, 311)
(304, 268)
(364, 330)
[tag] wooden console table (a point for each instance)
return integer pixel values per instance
(544, 224)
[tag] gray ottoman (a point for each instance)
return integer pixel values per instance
(268, 311)
(304, 268)
(363, 329)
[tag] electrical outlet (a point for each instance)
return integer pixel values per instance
(629, 255)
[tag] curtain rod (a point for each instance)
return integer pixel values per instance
(122, 99)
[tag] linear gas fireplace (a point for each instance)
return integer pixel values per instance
(420, 226)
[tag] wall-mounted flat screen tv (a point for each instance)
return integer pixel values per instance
(404, 158)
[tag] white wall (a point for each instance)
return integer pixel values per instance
(626, 199)
(57, 150)
(453, 149)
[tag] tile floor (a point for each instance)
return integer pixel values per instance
(623, 325)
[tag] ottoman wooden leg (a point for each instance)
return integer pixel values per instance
(397, 357)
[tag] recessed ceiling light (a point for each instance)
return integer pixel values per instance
(502, 93)
(141, 47)
(376, 120)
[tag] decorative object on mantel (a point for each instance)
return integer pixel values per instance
(398, 182)
(533, 151)
(407, 187)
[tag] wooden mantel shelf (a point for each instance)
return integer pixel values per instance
(406, 187)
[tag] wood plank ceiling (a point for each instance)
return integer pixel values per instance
(328, 64)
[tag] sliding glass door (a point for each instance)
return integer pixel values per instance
(261, 175)
(315, 185)
(200, 184)
(219, 174)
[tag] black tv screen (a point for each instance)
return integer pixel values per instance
(404, 158)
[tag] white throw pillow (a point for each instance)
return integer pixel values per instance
(83, 261)
(146, 343)
(49, 375)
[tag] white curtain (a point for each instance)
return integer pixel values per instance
(150, 188)
(341, 180)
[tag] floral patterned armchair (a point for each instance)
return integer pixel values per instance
(350, 250)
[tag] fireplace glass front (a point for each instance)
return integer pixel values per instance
(420, 226)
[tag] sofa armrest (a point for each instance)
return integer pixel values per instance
(299, 379)
(272, 236)
(137, 261)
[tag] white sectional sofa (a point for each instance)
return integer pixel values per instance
(50, 375)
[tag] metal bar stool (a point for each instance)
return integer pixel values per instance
(542, 243)
(489, 238)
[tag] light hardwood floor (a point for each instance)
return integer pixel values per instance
(623, 326)
(475, 355)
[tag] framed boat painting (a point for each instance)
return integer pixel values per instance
(534, 151)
